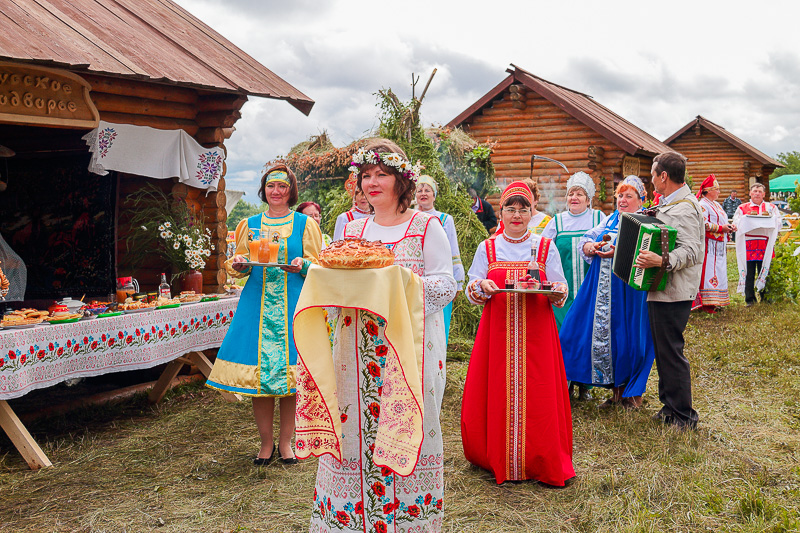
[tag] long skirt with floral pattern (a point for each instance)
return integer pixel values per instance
(357, 495)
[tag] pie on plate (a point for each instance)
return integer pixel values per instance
(356, 254)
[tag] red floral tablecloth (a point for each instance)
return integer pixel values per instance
(40, 357)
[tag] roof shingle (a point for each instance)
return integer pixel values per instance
(583, 107)
(154, 40)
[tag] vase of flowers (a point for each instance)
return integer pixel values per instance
(172, 230)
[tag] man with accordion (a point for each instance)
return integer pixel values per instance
(669, 308)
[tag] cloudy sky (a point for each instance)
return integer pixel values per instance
(658, 64)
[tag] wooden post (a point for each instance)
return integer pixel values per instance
(160, 389)
(199, 360)
(22, 440)
(204, 365)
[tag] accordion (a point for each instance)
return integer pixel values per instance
(637, 233)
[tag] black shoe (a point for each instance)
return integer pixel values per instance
(671, 420)
(260, 461)
(608, 404)
(290, 461)
(662, 417)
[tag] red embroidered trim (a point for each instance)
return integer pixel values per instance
(517, 241)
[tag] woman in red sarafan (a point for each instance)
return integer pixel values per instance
(515, 416)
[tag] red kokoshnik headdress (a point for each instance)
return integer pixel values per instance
(516, 188)
(707, 184)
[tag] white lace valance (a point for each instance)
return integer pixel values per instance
(146, 151)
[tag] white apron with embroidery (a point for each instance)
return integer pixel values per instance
(354, 494)
(714, 285)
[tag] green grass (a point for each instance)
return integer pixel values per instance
(184, 465)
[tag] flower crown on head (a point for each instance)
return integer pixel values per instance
(390, 159)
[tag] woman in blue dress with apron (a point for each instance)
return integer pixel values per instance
(605, 338)
(258, 356)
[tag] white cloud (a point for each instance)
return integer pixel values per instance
(657, 66)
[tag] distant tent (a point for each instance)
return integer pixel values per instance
(785, 183)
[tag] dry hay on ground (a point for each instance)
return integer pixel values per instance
(184, 465)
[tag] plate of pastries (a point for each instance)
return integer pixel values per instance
(23, 318)
(64, 318)
(189, 297)
(356, 254)
(129, 306)
(167, 303)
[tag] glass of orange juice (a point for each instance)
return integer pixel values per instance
(266, 245)
(274, 246)
(254, 240)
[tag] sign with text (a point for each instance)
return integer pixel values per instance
(44, 96)
(630, 166)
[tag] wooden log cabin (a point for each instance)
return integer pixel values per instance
(711, 149)
(528, 115)
(65, 66)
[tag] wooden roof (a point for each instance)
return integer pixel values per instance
(583, 107)
(153, 40)
(719, 131)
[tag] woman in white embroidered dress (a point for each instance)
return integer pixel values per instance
(713, 291)
(355, 494)
(359, 210)
(427, 191)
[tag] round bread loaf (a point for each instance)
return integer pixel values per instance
(356, 253)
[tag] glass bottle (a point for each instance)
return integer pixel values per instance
(163, 289)
(533, 267)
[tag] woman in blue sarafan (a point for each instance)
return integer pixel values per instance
(258, 356)
(605, 337)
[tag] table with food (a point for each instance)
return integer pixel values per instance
(76, 339)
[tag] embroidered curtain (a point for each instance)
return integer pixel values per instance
(146, 151)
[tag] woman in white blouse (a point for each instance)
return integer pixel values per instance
(427, 191)
(419, 243)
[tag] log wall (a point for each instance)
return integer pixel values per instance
(524, 123)
(208, 117)
(709, 153)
